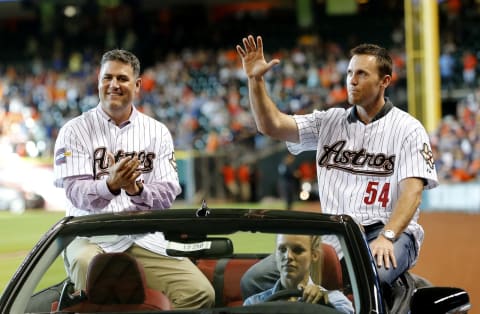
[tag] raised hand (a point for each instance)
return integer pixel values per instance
(253, 59)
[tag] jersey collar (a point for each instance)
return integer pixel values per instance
(107, 117)
(353, 116)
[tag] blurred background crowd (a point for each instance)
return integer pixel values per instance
(192, 76)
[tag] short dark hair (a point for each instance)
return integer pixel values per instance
(123, 56)
(384, 61)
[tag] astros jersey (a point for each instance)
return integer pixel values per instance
(359, 167)
(82, 149)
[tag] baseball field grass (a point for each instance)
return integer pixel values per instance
(19, 233)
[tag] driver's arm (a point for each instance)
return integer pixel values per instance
(340, 302)
(316, 294)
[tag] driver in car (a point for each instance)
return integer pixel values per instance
(295, 257)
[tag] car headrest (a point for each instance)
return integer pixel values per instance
(115, 278)
(332, 277)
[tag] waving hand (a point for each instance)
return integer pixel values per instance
(253, 60)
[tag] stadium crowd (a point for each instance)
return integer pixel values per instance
(201, 94)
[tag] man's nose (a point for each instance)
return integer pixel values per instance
(114, 82)
(353, 80)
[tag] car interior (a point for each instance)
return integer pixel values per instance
(116, 281)
(225, 274)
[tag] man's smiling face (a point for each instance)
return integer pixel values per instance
(117, 87)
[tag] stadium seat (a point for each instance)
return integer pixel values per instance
(225, 275)
(116, 283)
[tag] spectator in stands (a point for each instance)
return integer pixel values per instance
(255, 188)
(447, 69)
(337, 96)
(469, 68)
(288, 182)
(307, 171)
(244, 177)
(295, 256)
(230, 181)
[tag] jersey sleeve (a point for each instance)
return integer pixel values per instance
(416, 158)
(71, 155)
(308, 131)
(166, 165)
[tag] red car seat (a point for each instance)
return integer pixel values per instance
(116, 283)
(332, 278)
(225, 275)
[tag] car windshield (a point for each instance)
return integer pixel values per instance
(117, 282)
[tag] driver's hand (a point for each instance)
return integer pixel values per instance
(314, 294)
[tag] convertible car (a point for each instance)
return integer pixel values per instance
(224, 243)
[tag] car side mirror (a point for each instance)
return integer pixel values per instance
(436, 300)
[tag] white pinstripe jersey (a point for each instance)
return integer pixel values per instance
(359, 167)
(81, 150)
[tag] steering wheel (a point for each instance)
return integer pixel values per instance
(285, 294)
(290, 293)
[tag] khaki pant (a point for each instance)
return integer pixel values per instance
(182, 282)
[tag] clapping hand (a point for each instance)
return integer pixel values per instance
(123, 174)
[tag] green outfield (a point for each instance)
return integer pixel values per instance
(18, 234)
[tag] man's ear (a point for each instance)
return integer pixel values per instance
(138, 84)
(387, 79)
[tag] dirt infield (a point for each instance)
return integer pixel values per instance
(450, 254)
